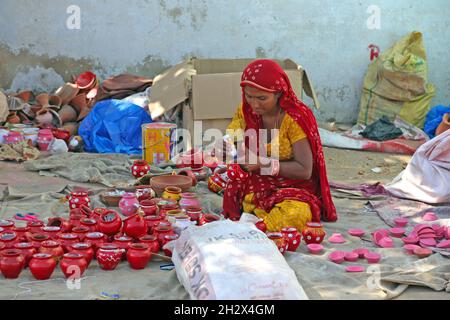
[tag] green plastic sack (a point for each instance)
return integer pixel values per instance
(396, 83)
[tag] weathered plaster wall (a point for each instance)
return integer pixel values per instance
(328, 37)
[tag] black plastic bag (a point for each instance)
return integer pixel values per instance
(381, 130)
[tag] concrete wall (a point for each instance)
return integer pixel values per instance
(328, 37)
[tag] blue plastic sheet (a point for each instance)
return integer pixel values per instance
(434, 118)
(114, 126)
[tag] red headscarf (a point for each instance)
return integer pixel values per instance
(267, 75)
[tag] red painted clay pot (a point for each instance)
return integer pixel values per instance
(42, 266)
(97, 213)
(35, 226)
(6, 224)
(37, 239)
(85, 249)
(135, 226)
(313, 233)
(151, 241)
(78, 198)
(89, 223)
(138, 255)
(96, 239)
(22, 233)
(109, 256)
(160, 231)
(73, 264)
(292, 236)
(122, 241)
(207, 218)
(11, 263)
(75, 219)
(60, 222)
(140, 168)
(194, 213)
(152, 221)
(81, 232)
(109, 223)
(53, 248)
(67, 239)
(85, 211)
(149, 207)
(144, 192)
(9, 238)
(279, 240)
(27, 251)
(45, 136)
(52, 232)
(189, 199)
(167, 238)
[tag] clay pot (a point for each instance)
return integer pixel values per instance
(37, 239)
(73, 264)
(22, 233)
(109, 256)
(81, 232)
(86, 80)
(149, 207)
(61, 134)
(201, 174)
(279, 240)
(89, 223)
(44, 117)
(13, 137)
(68, 114)
(75, 220)
(160, 183)
(45, 138)
(128, 204)
(97, 213)
(444, 125)
(42, 266)
(135, 226)
(6, 224)
(160, 231)
(13, 117)
(313, 233)
(194, 213)
(292, 236)
(140, 168)
(207, 218)
(151, 241)
(168, 238)
(96, 239)
(80, 104)
(122, 242)
(84, 249)
(8, 238)
(109, 223)
(61, 223)
(35, 226)
(67, 92)
(42, 99)
(85, 211)
(11, 263)
(138, 255)
(173, 193)
(189, 199)
(77, 199)
(151, 221)
(26, 96)
(166, 205)
(217, 182)
(71, 127)
(27, 251)
(144, 192)
(54, 102)
(67, 239)
(52, 232)
(53, 248)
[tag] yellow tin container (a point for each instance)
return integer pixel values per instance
(158, 141)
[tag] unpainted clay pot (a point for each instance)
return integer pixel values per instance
(44, 117)
(445, 124)
(68, 114)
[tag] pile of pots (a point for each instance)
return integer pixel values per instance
(94, 234)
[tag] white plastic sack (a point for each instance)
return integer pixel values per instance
(427, 176)
(226, 260)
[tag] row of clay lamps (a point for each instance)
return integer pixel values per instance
(99, 233)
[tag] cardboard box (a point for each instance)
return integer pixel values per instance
(209, 90)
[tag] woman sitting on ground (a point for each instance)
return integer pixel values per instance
(290, 190)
